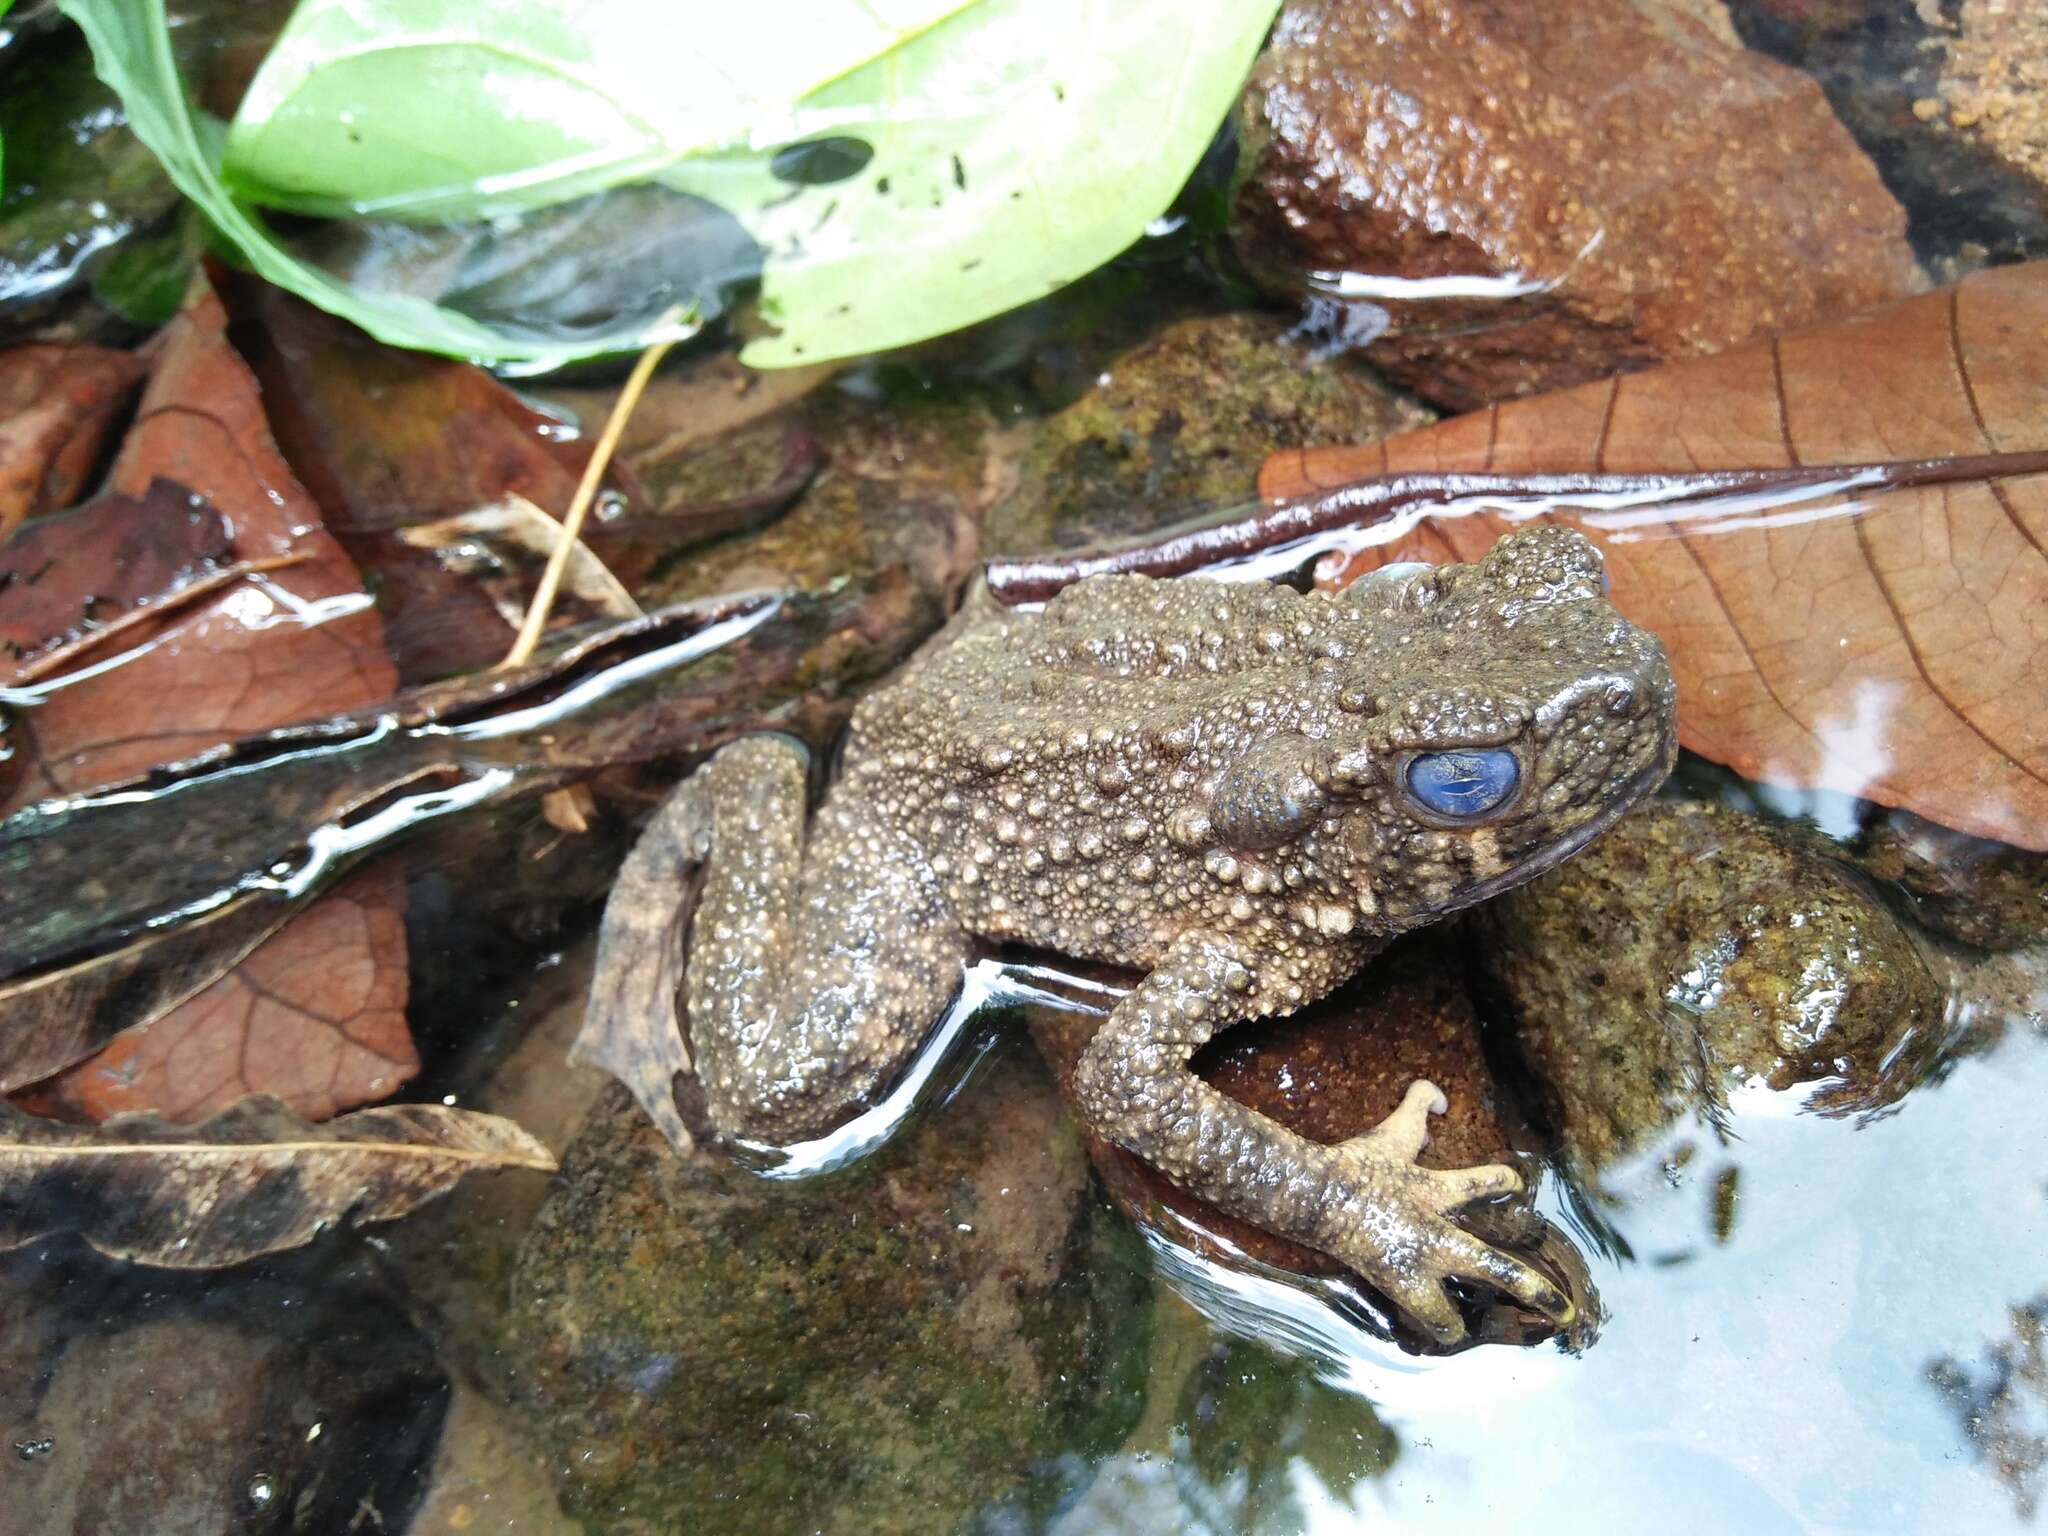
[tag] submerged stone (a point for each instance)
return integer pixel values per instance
(953, 1321)
(1970, 888)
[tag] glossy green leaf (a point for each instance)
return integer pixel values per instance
(462, 108)
(997, 149)
(131, 49)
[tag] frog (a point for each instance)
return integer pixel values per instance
(1239, 791)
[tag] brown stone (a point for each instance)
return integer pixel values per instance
(1652, 190)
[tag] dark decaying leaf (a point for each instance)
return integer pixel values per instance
(678, 683)
(631, 1028)
(57, 406)
(252, 1180)
(65, 580)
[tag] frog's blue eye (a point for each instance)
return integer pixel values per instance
(1468, 783)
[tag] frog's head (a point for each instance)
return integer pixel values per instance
(1495, 719)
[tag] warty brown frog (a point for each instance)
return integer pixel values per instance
(1242, 790)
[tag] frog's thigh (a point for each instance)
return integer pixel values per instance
(814, 970)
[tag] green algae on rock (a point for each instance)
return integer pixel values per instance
(1693, 949)
(887, 1348)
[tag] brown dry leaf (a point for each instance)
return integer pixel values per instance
(1898, 652)
(291, 644)
(57, 406)
(631, 1028)
(252, 1180)
(314, 1016)
(316, 1011)
(52, 1018)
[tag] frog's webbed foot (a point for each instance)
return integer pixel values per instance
(1393, 1221)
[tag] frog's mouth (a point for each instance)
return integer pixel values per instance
(1636, 790)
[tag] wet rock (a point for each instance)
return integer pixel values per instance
(885, 1348)
(1948, 100)
(489, 1475)
(1692, 949)
(79, 187)
(1627, 213)
(1329, 1073)
(1180, 423)
(283, 1396)
(1984, 893)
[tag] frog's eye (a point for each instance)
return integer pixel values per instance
(1463, 784)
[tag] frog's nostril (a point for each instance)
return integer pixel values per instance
(1621, 700)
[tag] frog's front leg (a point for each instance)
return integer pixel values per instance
(818, 958)
(1365, 1201)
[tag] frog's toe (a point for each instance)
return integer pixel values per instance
(1423, 1299)
(1454, 1187)
(1480, 1262)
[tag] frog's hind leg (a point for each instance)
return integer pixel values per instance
(1366, 1201)
(816, 964)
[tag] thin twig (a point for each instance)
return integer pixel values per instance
(586, 491)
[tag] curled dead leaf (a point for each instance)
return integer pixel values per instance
(631, 1028)
(252, 1180)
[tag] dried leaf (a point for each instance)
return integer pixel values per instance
(286, 644)
(252, 1180)
(488, 543)
(57, 406)
(314, 1016)
(1885, 645)
(50, 1019)
(632, 1029)
(290, 644)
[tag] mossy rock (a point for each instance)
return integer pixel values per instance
(956, 1320)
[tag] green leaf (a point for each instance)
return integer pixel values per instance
(1003, 147)
(132, 51)
(469, 108)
